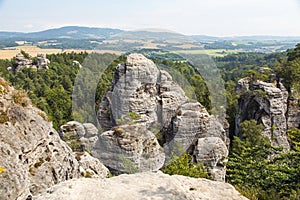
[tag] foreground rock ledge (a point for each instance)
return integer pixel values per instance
(154, 186)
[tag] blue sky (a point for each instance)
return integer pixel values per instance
(203, 17)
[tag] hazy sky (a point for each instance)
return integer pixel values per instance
(203, 17)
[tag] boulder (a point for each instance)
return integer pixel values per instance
(91, 167)
(128, 149)
(155, 186)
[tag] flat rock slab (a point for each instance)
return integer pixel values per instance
(154, 186)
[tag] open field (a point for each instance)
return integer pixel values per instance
(210, 52)
(34, 50)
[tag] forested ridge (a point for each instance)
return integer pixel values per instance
(249, 166)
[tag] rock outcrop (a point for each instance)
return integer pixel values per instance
(128, 149)
(22, 62)
(91, 167)
(293, 112)
(155, 186)
(31, 151)
(124, 149)
(145, 102)
(268, 104)
(42, 61)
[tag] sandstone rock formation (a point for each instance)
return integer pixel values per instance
(266, 103)
(32, 152)
(91, 167)
(125, 149)
(42, 61)
(293, 112)
(21, 62)
(155, 186)
(128, 149)
(142, 94)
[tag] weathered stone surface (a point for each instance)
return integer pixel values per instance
(189, 129)
(266, 103)
(128, 149)
(30, 149)
(21, 62)
(91, 167)
(155, 186)
(293, 113)
(42, 61)
(140, 87)
(213, 152)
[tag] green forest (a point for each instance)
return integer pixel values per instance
(250, 168)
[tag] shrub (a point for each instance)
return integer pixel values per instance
(3, 117)
(185, 166)
(43, 115)
(20, 97)
(134, 116)
(129, 118)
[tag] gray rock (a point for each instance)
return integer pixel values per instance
(90, 130)
(91, 167)
(21, 62)
(266, 103)
(140, 87)
(128, 149)
(293, 113)
(31, 151)
(189, 129)
(42, 61)
(71, 133)
(155, 186)
(212, 151)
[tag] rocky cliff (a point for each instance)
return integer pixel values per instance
(269, 104)
(31, 151)
(155, 186)
(148, 118)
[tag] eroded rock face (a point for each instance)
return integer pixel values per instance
(266, 103)
(42, 61)
(31, 151)
(293, 113)
(161, 105)
(128, 149)
(125, 149)
(213, 152)
(91, 167)
(21, 62)
(155, 186)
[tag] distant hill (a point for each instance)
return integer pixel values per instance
(78, 32)
(70, 32)
(257, 38)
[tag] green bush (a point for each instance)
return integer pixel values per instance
(184, 165)
(20, 97)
